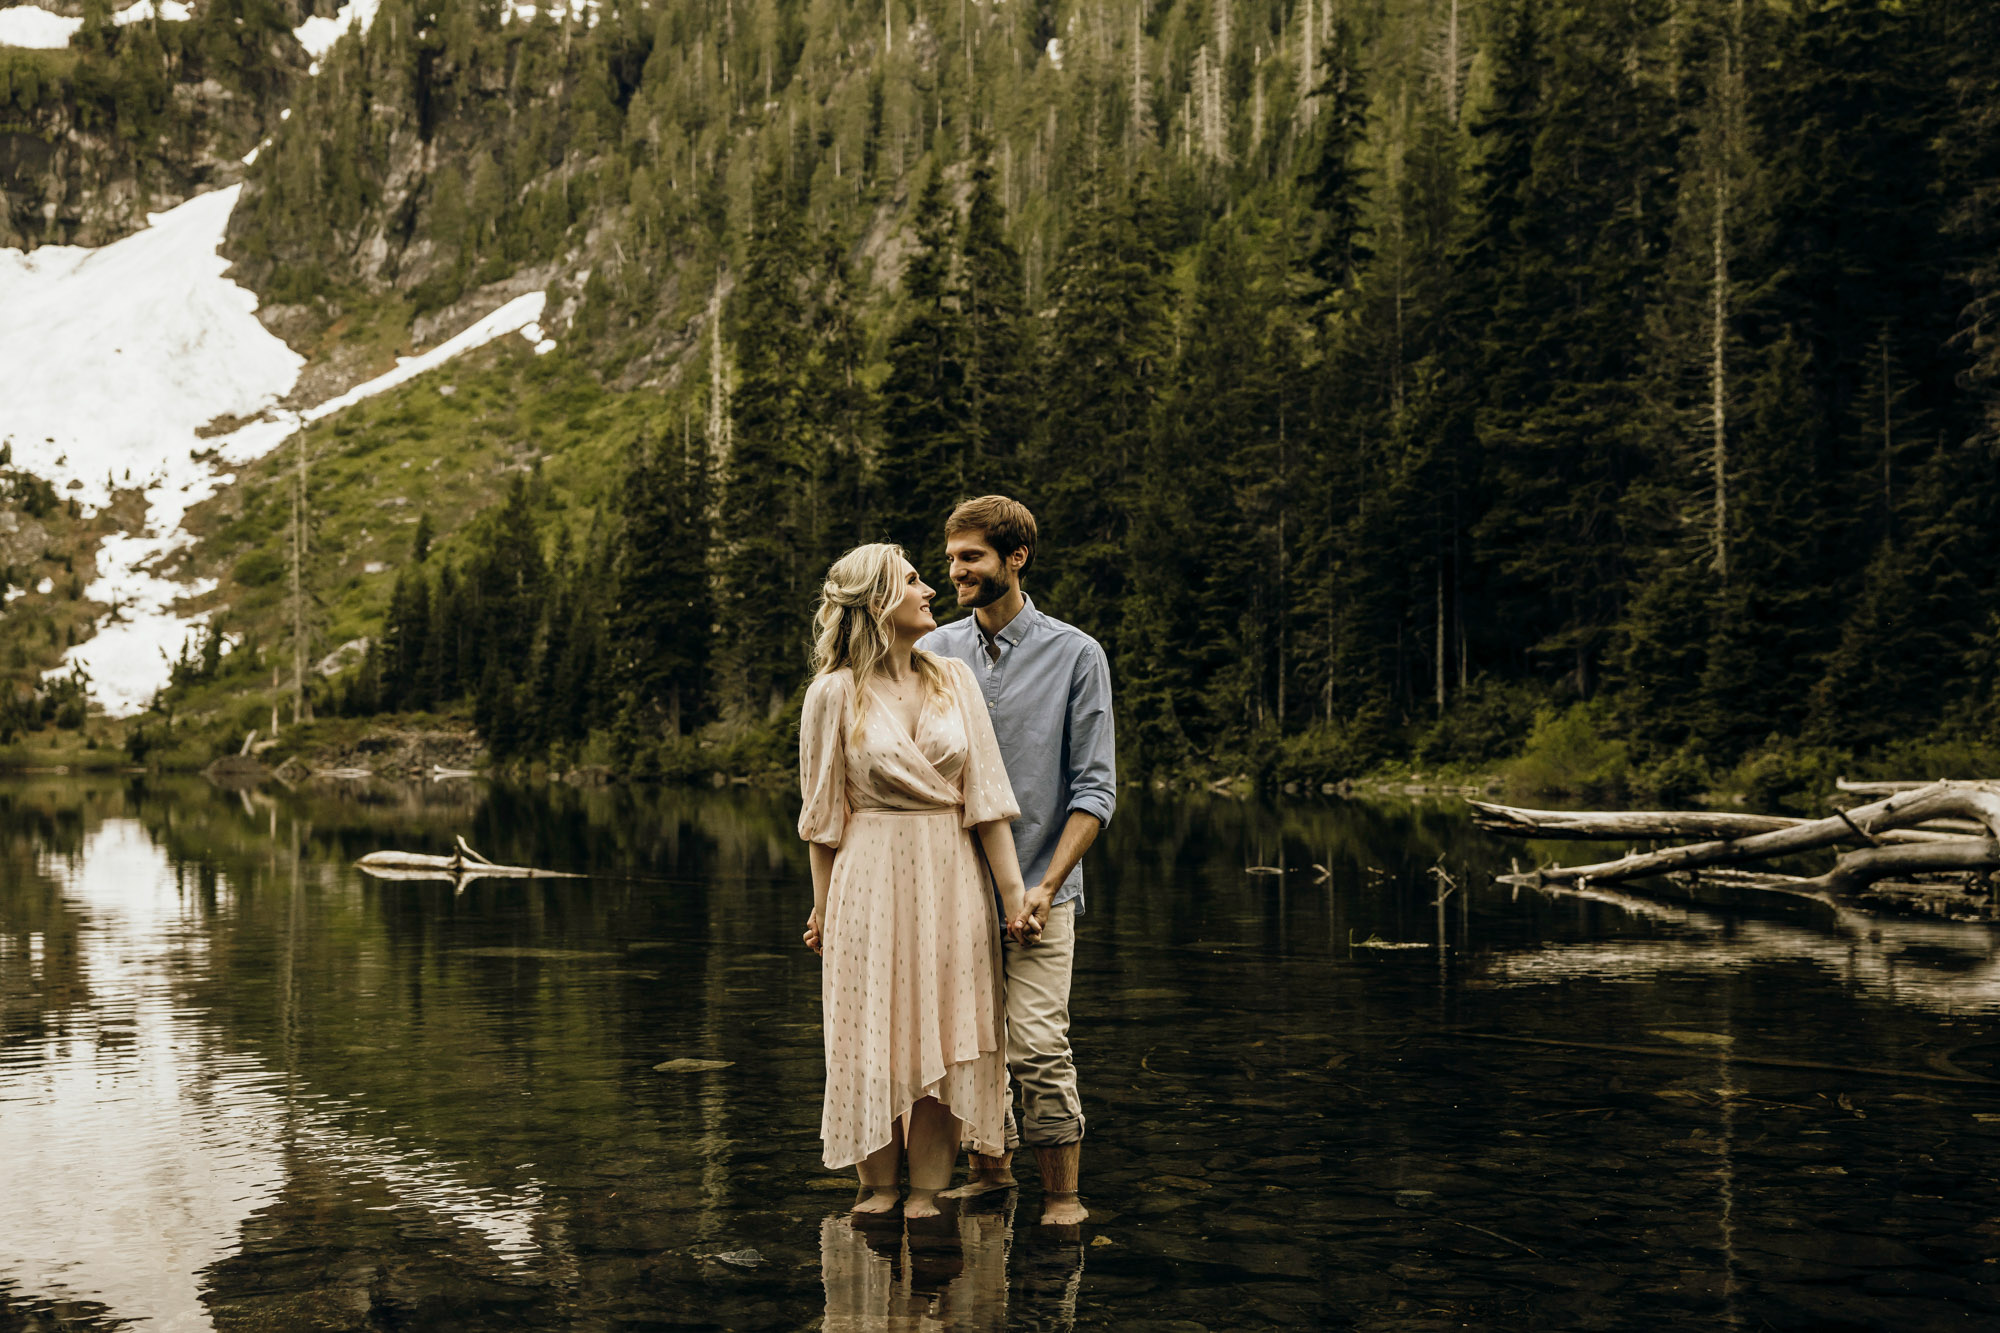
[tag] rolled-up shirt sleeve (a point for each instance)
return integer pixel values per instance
(1093, 743)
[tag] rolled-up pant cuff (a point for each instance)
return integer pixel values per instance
(1053, 1133)
(1044, 1133)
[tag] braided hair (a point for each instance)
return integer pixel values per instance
(851, 622)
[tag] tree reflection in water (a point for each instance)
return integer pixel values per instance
(243, 1088)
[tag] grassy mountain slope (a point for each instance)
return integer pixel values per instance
(1420, 381)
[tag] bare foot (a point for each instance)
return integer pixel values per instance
(875, 1200)
(980, 1182)
(921, 1203)
(1062, 1210)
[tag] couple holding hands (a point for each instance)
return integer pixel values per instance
(929, 760)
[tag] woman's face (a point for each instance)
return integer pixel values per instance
(910, 616)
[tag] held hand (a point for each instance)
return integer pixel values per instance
(815, 936)
(1027, 928)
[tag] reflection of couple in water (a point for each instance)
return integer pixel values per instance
(947, 1273)
(918, 748)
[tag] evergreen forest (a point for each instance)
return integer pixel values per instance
(1397, 382)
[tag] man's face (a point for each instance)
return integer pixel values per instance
(978, 575)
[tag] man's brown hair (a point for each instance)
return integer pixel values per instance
(1006, 523)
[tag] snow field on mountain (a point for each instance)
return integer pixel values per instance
(113, 359)
(27, 25)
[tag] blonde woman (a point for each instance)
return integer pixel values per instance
(900, 773)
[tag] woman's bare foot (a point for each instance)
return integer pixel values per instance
(874, 1199)
(980, 1182)
(921, 1203)
(1062, 1210)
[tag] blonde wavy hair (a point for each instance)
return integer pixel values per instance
(851, 622)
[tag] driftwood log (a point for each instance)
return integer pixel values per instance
(1651, 825)
(463, 864)
(1866, 823)
(1947, 831)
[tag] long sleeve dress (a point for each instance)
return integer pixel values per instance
(910, 984)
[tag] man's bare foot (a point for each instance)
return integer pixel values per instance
(980, 1182)
(921, 1203)
(1062, 1210)
(875, 1199)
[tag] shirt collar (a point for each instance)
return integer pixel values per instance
(1017, 628)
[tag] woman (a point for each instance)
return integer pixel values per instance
(900, 772)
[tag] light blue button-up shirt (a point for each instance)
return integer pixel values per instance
(1050, 697)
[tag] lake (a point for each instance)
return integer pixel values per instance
(243, 1086)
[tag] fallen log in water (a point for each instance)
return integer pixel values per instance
(462, 864)
(1880, 788)
(1655, 825)
(1609, 826)
(1942, 899)
(1944, 869)
(1857, 870)
(1863, 823)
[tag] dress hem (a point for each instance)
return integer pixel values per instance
(907, 1098)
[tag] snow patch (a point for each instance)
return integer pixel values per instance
(110, 362)
(509, 318)
(27, 25)
(113, 359)
(167, 11)
(317, 35)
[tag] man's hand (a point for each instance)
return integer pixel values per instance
(1027, 928)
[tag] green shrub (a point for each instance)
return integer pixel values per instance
(1487, 723)
(1331, 752)
(1675, 779)
(1783, 774)
(1572, 752)
(258, 569)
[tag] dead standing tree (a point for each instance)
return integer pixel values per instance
(1929, 847)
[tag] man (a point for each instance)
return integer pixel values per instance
(1048, 688)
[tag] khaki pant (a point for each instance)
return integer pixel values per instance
(1038, 1055)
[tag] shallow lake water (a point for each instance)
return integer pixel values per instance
(243, 1086)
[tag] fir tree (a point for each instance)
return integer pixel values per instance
(1108, 351)
(998, 352)
(761, 579)
(660, 619)
(925, 426)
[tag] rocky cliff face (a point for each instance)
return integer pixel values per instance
(134, 119)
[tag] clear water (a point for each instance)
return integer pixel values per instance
(244, 1087)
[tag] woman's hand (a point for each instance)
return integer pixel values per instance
(1026, 925)
(815, 935)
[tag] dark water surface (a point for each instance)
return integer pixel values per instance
(244, 1087)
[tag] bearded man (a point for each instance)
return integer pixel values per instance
(1047, 686)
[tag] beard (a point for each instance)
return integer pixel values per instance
(984, 592)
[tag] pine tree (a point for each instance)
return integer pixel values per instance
(1108, 354)
(1337, 181)
(1568, 260)
(660, 619)
(762, 582)
(998, 352)
(925, 418)
(404, 643)
(1763, 658)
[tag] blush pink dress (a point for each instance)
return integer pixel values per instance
(910, 986)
